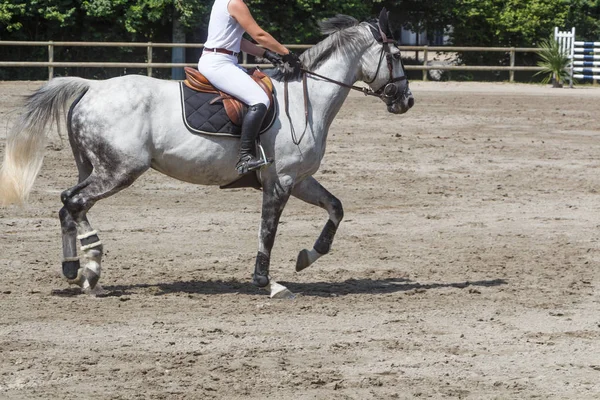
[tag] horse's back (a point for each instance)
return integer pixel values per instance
(129, 88)
(141, 118)
(127, 97)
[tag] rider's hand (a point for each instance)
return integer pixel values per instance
(273, 57)
(291, 66)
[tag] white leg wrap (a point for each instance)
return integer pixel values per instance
(91, 270)
(91, 260)
(91, 245)
(87, 235)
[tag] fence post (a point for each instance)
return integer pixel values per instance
(50, 60)
(572, 57)
(149, 57)
(425, 53)
(512, 65)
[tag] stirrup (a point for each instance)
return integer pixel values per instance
(250, 163)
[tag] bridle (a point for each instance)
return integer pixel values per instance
(388, 92)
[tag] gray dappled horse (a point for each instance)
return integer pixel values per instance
(119, 128)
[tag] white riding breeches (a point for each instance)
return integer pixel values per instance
(223, 71)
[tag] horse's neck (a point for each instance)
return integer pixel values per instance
(327, 96)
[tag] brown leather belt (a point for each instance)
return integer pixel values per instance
(223, 51)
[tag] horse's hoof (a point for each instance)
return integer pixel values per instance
(97, 290)
(79, 280)
(280, 292)
(303, 260)
(70, 269)
(285, 294)
(91, 279)
(306, 258)
(91, 273)
(260, 281)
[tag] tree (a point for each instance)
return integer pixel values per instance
(296, 21)
(91, 20)
(584, 15)
(418, 15)
(517, 23)
(521, 23)
(144, 20)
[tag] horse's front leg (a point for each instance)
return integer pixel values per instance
(311, 191)
(275, 197)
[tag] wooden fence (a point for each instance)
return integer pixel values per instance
(425, 66)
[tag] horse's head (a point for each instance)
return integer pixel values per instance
(382, 69)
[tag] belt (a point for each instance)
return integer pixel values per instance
(223, 51)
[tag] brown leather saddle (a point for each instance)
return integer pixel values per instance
(234, 108)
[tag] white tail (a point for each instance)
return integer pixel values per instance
(25, 143)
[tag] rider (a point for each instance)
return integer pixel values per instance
(229, 19)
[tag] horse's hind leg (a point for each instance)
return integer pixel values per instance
(77, 202)
(311, 191)
(71, 263)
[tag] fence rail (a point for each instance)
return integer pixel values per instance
(425, 66)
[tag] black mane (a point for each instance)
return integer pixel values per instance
(337, 23)
(341, 35)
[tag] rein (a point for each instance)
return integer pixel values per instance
(381, 93)
(287, 108)
(366, 91)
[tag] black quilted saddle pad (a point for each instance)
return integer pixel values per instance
(202, 115)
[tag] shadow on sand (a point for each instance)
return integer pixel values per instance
(317, 289)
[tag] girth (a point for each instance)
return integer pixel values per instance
(234, 108)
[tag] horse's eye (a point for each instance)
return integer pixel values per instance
(397, 56)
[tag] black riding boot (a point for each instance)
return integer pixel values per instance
(250, 128)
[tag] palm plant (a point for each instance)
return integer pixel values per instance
(554, 62)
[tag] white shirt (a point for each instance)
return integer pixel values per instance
(224, 32)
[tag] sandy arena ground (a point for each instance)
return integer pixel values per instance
(466, 266)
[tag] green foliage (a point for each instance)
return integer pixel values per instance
(419, 15)
(498, 23)
(7, 11)
(121, 20)
(519, 23)
(296, 21)
(516, 23)
(92, 20)
(554, 62)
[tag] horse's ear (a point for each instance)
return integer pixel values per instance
(390, 30)
(384, 22)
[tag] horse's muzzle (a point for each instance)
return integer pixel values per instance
(398, 97)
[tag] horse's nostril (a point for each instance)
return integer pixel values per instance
(411, 102)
